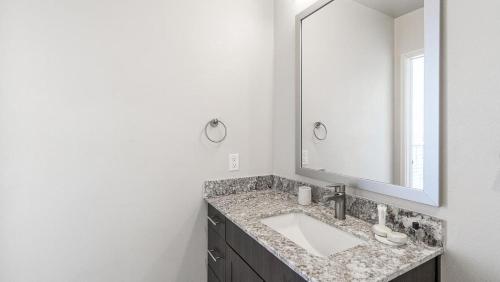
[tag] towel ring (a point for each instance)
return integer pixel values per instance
(215, 123)
(317, 125)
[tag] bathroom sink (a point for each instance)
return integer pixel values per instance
(317, 237)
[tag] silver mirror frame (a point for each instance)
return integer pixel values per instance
(430, 193)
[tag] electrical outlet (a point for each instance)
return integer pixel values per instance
(305, 157)
(234, 162)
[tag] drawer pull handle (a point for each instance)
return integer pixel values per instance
(213, 221)
(215, 257)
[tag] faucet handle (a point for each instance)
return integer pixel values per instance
(339, 187)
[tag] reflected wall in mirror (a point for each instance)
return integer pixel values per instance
(368, 94)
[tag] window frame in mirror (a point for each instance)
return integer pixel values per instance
(430, 194)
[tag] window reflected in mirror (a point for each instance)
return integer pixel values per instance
(413, 75)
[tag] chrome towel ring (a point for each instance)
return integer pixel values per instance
(318, 125)
(215, 123)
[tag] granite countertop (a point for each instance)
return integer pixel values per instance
(370, 261)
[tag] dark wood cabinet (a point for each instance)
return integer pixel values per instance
(216, 221)
(211, 275)
(217, 250)
(428, 271)
(234, 256)
(238, 271)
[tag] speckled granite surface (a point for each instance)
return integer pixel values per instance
(428, 230)
(370, 261)
(228, 186)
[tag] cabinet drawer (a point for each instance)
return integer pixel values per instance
(216, 254)
(211, 275)
(216, 221)
(238, 271)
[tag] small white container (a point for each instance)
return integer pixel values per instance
(304, 195)
(397, 237)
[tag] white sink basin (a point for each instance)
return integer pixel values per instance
(317, 237)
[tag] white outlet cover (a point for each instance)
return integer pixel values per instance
(234, 162)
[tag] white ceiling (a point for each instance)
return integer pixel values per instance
(393, 8)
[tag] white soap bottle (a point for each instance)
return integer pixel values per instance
(380, 229)
(382, 211)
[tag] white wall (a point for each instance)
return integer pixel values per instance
(102, 105)
(470, 126)
(347, 83)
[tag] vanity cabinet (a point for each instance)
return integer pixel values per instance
(234, 256)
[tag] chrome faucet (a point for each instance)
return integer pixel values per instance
(339, 198)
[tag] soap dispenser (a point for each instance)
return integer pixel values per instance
(380, 228)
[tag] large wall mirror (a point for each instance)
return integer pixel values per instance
(368, 95)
